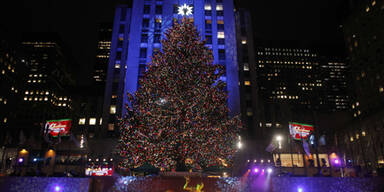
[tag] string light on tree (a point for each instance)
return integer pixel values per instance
(179, 113)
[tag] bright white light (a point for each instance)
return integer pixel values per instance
(185, 10)
(279, 138)
(57, 188)
(269, 170)
(299, 189)
(239, 145)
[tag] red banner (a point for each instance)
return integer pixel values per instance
(56, 127)
(300, 131)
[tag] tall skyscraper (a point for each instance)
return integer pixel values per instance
(12, 86)
(281, 85)
(104, 36)
(137, 34)
(361, 139)
(47, 80)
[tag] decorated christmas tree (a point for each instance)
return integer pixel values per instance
(179, 113)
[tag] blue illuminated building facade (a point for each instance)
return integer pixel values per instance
(136, 36)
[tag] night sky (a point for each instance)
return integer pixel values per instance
(284, 23)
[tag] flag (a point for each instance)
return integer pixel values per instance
(271, 147)
(306, 148)
(300, 131)
(322, 140)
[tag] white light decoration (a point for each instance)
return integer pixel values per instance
(185, 10)
(82, 140)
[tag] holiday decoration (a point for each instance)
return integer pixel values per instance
(58, 127)
(179, 112)
(299, 131)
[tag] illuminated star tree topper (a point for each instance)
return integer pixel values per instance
(185, 10)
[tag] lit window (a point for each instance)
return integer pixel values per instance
(25, 98)
(219, 7)
(249, 113)
(246, 67)
(243, 41)
(247, 83)
(92, 121)
(45, 98)
(373, 3)
(367, 9)
(101, 121)
(82, 121)
(64, 104)
(117, 66)
(114, 96)
(26, 92)
(220, 35)
(112, 109)
(381, 89)
(111, 127)
(5, 120)
(207, 7)
(60, 98)
(65, 98)
(363, 133)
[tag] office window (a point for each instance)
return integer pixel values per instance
(123, 14)
(220, 35)
(82, 121)
(143, 52)
(221, 41)
(221, 54)
(208, 25)
(92, 121)
(175, 8)
(159, 9)
(158, 24)
(112, 109)
(111, 127)
(145, 23)
(209, 39)
(208, 9)
(118, 55)
(121, 28)
(141, 70)
(220, 25)
(144, 38)
(147, 9)
(246, 67)
(156, 38)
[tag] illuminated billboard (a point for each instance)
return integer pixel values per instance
(299, 131)
(99, 171)
(60, 127)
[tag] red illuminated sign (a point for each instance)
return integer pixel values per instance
(300, 131)
(58, 127)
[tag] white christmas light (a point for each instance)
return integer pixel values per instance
(185, 10)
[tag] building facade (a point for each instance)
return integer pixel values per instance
(104, 35)
(137, 33)
(361, 140)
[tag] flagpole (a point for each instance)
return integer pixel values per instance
(290, 145)
(305, 166)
